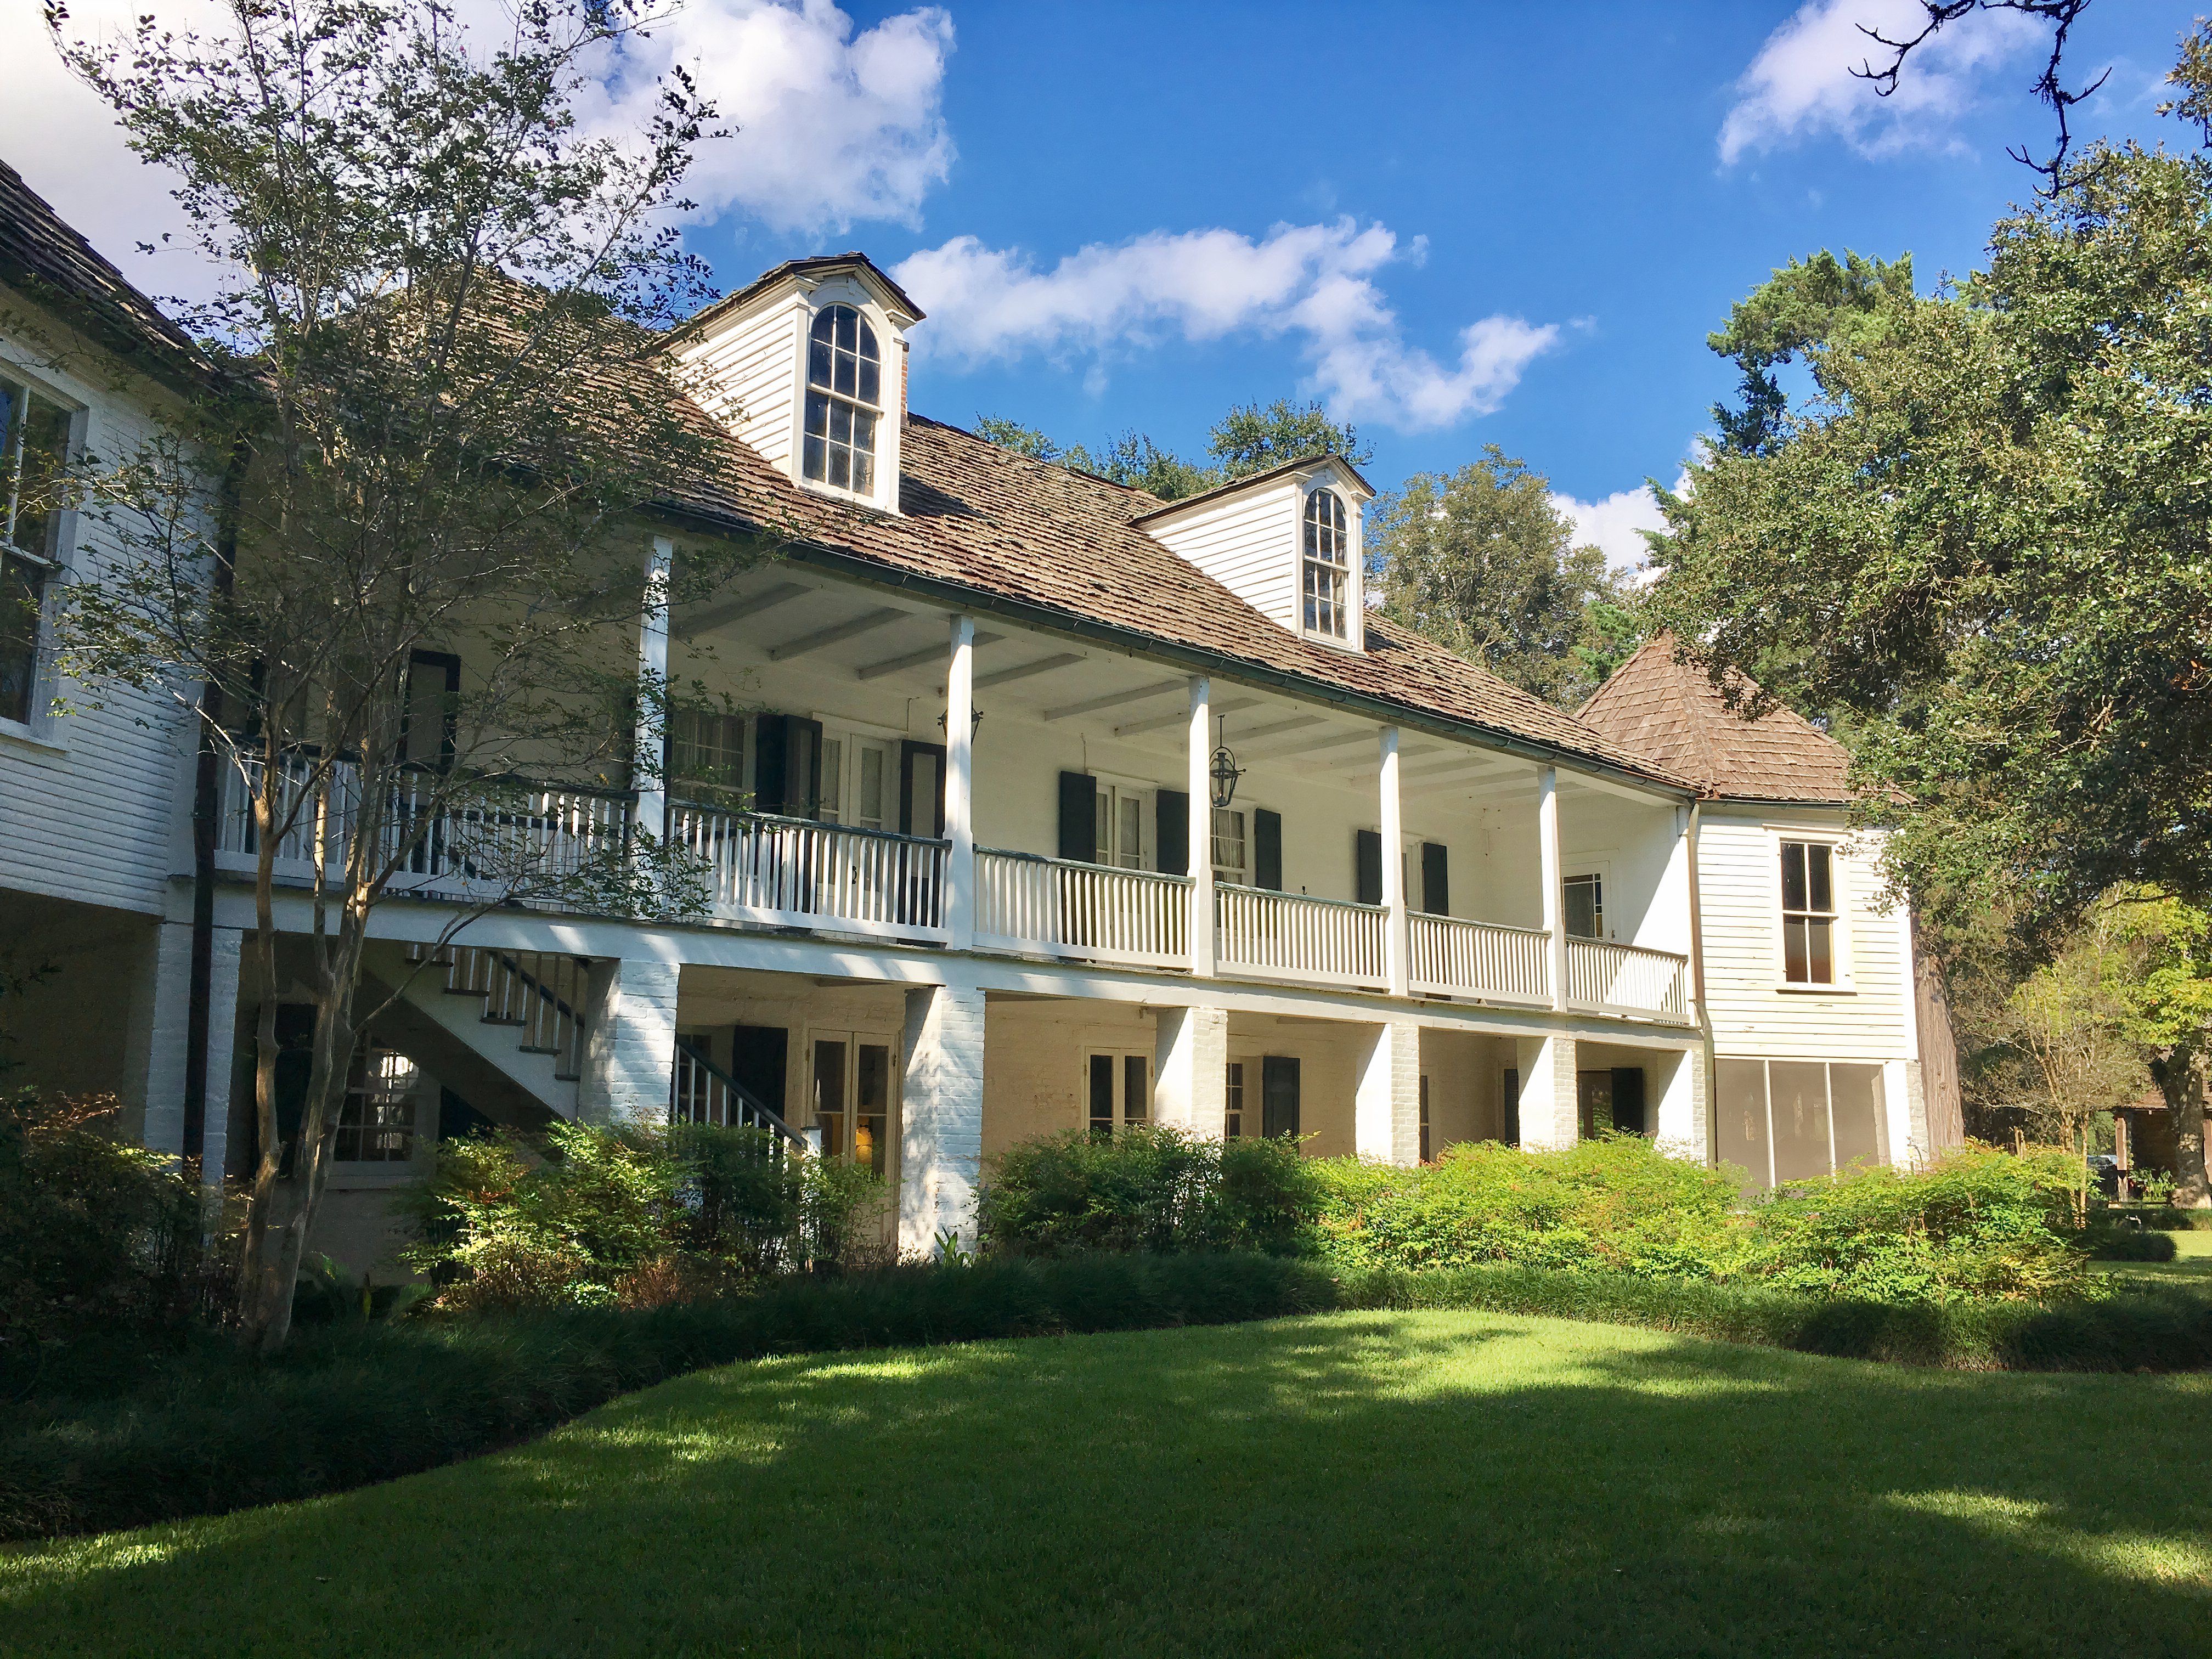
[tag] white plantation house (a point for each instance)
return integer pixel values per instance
(1027, 802)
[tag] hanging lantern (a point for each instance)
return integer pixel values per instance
(1224, 770)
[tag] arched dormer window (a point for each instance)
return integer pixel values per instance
(844, 398)
(1327, 565)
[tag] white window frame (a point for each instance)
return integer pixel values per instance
(854, 1039)
(1116, 793)
(851, 740)
(1121, 1057)
(1597, 870)
(883, 491)
(1351, 611)
(1840, 953)
(58, 560)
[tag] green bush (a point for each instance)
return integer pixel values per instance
(1978, 1223)
(587, 1217)
(1159, 1191)
(98, 1239)
(345, 1405)
(2128, 1244)
(1614, 1204)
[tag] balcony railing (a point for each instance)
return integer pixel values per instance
(794, 873)
(1098, 912)
(1272, 935)
(1453, 956)
(502, 835)
(1605, 978)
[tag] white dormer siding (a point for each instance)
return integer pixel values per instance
(1250, 536)
(745, 362)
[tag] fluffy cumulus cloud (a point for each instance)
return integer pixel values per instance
(1313, 283)
(834, 123)
(1801, 84)
(1613, 524)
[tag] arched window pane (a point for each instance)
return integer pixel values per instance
(844, 388)
(1327, 561)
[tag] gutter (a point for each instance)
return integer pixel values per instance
(872, 573)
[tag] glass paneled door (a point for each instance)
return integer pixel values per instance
(853, 1090)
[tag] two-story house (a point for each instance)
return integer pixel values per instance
(1027, 802)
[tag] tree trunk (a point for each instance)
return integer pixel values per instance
(2189, 1183)
(1939, 1048)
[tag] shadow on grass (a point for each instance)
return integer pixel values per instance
(1372, 1483)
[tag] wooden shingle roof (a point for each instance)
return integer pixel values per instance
(1063, 544)
(1671, 713)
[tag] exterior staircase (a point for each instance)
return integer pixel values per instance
(503, 1028)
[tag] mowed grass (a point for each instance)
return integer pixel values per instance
(2190, 1269)
(1441, 1483)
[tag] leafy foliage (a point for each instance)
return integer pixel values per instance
(1987, 543)
(1247, 440)
(589, 1217)
(1155, 1190)
(1482, 562)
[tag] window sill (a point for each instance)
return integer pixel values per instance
(1789, 989)
(829, 492)
(31, 737)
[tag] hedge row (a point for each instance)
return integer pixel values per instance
(348, 1406)
(2136, 1331)
(352, 1405)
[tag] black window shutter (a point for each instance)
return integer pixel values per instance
(1628, 1099)
(1174, 837)
(1367, 862)
(1279, 1095)
(1435, 880)
(802, 768)
(1268, 848)
(1078, 813)
(771, 747)
(1509, 1130)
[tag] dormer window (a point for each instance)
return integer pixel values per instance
(844, 400)
(1328, 564)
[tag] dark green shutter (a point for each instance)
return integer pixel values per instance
(925, 816)
(1367, 865)
(1173, 838)
(1267, 848)
(1435, 880)
(770, 744)
(1509, 1128)
(1078, 817)
(1628, 1100)
(1279, 1095)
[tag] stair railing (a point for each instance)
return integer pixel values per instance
(701, 1091)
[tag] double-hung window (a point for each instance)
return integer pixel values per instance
(1584, 906)
(33, 453)
(1232, 848)
(1118, 826)
(706, 755)
(376, 1124)
(844, 400)
(1808, 913)
(1328, 564)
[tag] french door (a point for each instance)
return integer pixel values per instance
(853, 1092)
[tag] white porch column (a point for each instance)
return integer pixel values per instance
(1548, 851)
(1202, 828)
(1550, 1112)
(1681, 1128)
(940, 1117)
(959, 786)
(222, 1051)
(653, 692)
(629, 1041)
(1190, 1071)
(168, 1003)
(1396, 941)
(1387, 1102)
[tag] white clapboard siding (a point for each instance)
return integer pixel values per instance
(89, 807)
(1247, 542)
(747, 373)
(1738, 889)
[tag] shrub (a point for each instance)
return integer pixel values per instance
(1978, 1223)
(588, 1217)
(1160, 1191)
(1614, 1203)
(2128, 1244)
(96, 1237)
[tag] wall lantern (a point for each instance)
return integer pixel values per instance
(1224, 770)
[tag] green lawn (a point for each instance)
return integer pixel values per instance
(1359, 1483)
(2190, 1269)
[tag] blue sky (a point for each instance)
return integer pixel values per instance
(1133, 215)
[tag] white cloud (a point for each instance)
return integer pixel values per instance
(832, 127)
(1313, 282)
(835, 125)
(1611, 524)
(1801, 84)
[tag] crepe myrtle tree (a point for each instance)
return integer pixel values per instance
(438, 428)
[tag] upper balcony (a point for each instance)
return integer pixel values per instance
(817, 787)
